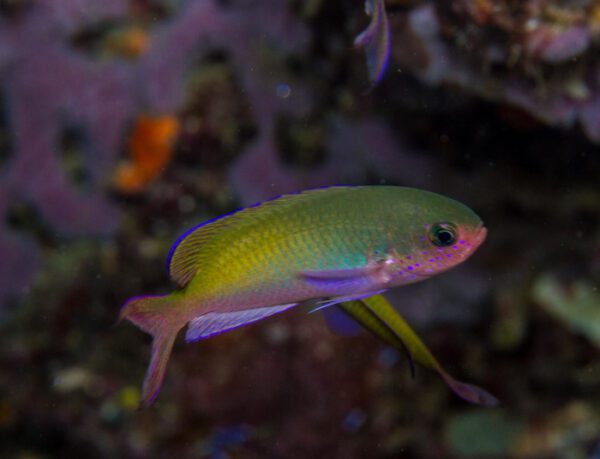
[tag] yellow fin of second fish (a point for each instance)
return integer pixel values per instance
(394, 330)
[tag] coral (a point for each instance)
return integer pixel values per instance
(532, 55)
(355, 151)
(151, 147)
(482, 434)
(97, 94)
(578, 307)
(216, 119)
(129, 42)
(47, 88)
(266, 107)
(51, 87)
(560, 432)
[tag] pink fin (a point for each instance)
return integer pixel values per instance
(213, 323)
(470, 392)
(162, 345)
(151, 314)
(376, 40)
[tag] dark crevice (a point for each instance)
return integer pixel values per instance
(301, 142)
(216, 120)
(109, 36)
(14, 8)
(473, 134)
(89, 39)
(152, 10)
(6, 148)
(72, 146)
(23, 217)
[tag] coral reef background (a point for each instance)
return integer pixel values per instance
(124, 122)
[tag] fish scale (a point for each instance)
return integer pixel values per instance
(332, 245)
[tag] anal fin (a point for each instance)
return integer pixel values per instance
(214, 323)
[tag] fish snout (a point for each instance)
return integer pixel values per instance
(480, 236)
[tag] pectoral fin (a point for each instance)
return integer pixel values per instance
(339, 279)
(378, 316)
(371, 277)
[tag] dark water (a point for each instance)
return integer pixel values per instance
(123, 123)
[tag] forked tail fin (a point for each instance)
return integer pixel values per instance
(154, 315)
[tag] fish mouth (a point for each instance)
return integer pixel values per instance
(479, 235)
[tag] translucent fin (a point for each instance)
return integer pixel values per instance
(469, 392)
(334, 283)
(213, 323)
(371, 276)
(383, 310)
(188, 252)
(162, 345)
(332, 301)
(340, 323)
(337, 274)
(153, 315)
(375, 39)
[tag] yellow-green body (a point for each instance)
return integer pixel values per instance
(330, 245)
(256, 257)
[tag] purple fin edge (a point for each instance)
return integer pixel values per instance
(268, 312)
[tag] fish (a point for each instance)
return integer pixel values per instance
(323, 246)
(375, 40)
(378, 316)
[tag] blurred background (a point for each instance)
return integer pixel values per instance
(125, 122)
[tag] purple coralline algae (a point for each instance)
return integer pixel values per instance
(48, 88)
(355, 151)
(51, 86)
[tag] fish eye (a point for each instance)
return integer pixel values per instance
(442, 234)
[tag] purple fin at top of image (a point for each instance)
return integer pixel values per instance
(375, 39)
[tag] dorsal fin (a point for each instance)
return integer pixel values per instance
(185, 256)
